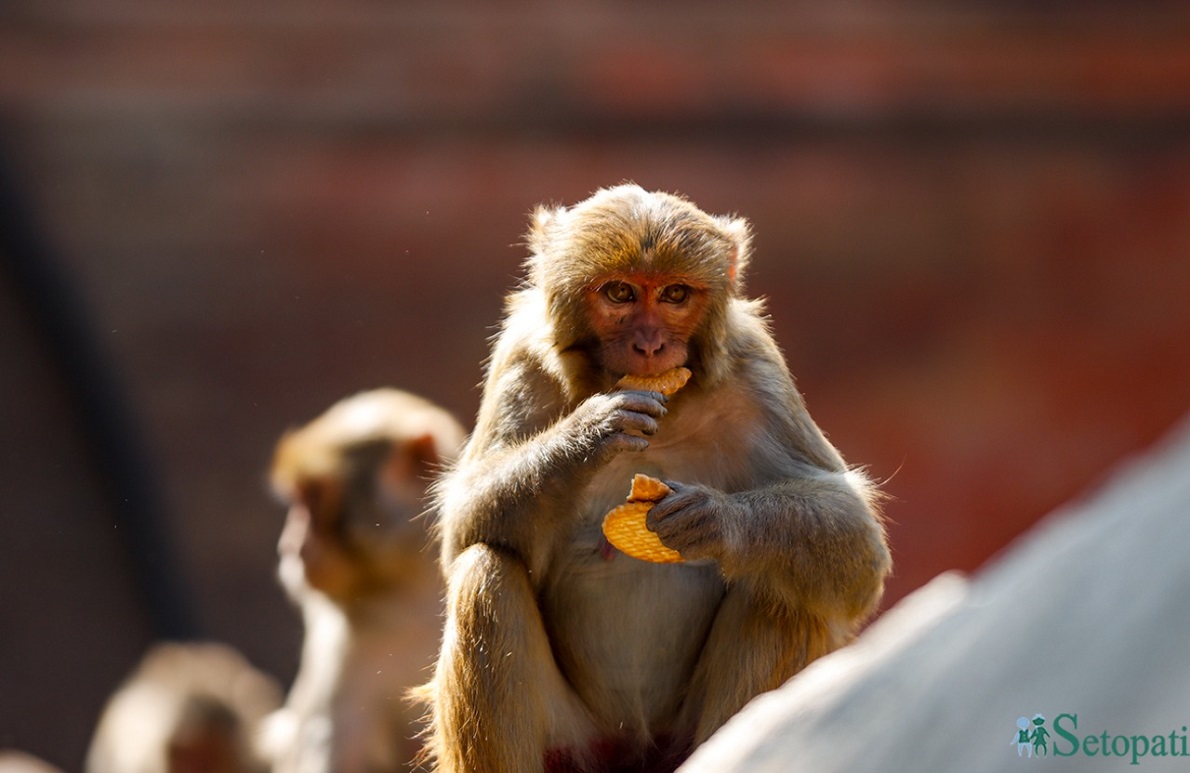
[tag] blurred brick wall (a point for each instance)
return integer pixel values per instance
(971, 225)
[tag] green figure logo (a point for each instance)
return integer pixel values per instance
(1031, 738)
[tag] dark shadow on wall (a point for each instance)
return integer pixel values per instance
(57, 315)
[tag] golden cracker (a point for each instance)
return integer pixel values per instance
(666, 383)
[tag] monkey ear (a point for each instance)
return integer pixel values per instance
(414, 460)
(739, 231)
(425, 455)
(540, 224)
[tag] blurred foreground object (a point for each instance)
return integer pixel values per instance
(19, 762)
(188, 708)
(1079, 630)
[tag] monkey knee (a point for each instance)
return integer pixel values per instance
(493, 697)
(490, 600)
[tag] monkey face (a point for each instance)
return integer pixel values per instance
(644, 322)
(310, 546)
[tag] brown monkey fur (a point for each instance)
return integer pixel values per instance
(187, 708)
(560, 654)
(356, 558)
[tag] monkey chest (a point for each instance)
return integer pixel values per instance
(628, 635)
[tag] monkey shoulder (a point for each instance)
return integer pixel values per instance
(758, 398)
(757, 407)
(521, 397)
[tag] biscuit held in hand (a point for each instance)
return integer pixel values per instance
(625, 527)
(666, 382)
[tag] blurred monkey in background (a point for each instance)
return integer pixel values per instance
(15, 761)
(355, 557)
(187, 708)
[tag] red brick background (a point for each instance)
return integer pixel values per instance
(972, 225)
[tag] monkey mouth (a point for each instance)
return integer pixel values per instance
(646, 372)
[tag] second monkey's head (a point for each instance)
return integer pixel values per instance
(640, 281)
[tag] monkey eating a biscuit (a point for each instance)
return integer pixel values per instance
(555, 658)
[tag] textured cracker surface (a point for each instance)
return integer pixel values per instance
(625, 527)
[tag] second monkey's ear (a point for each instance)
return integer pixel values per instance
(739, 231)
(416, 460)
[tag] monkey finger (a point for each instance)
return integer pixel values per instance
(652, 403)
(685, 498)
(691, 530)
(622, 441)
(671, 504)
(631, 421)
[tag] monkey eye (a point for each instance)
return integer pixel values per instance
(675, 293)
(619, 292)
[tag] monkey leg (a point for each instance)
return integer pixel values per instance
(754, 646)
(499, 700)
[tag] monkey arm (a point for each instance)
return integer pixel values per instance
(813, 541)
(520, 471)
(809, 531)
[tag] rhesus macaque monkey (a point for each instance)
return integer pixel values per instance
(187, 708)
(355, 556)
(558, 652)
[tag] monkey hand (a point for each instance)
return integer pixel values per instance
(692, 520)
(606, 424)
